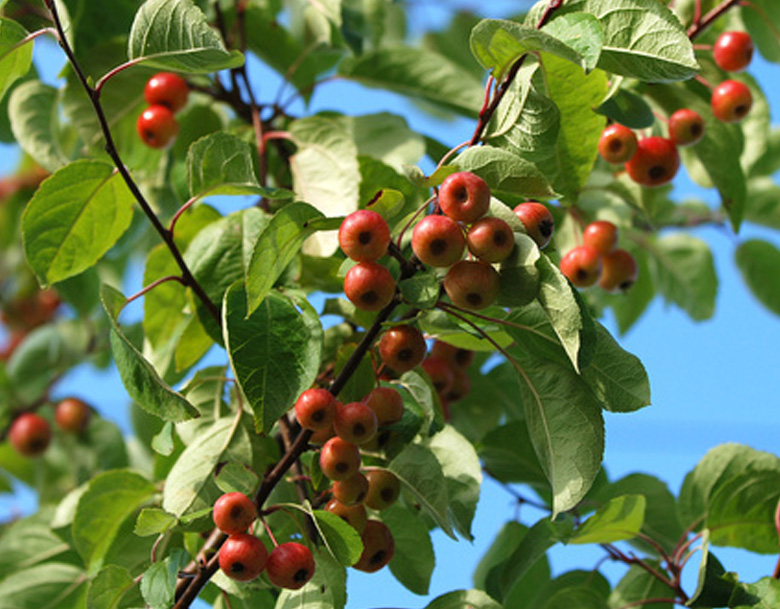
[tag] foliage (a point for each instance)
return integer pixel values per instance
(125, 522)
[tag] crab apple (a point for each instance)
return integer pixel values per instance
(686, 127)
(319, 437)
(457, 356)
(339, 459)
(538, 221)
(582, 265)
(167, 89)
(618, 143)
(352, 490)
(30, 434)
(364, 236)
(387, 404)
(354, 515)
(733, 51)
(290, 565)
(157, 126)
(384, 488)
(490, 239)
(472, 284)
(233, 513)
(402, 348)
(619, 271)
(438, 241)
(355, 422)
(464, 197)
(440, 372)
(601, 235)
(655, 163)
(242, 557)
(315, 409)
(369, 286)
(731, 101)
(378, 547)
(460, 388)
(72, 414)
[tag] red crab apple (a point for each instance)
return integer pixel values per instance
(733, 51)
(601, 235)
(582, 265)
(440, 372)
(387, 404)
(490, 239)
(157, 126)
(619, 271)
(355, 422)
(234, 513)
(457, 356)
(364, 236)
(686, 127)
(538, 221)
(315, 409)
(402, 348)
(30, 434)
(353, 515)
(72, 414)
(369, 286)
(352, 490)
(438, 241)
(339, 459)
(731, 101)
(472, 284)
(290, 565)
(242, 557)
(384, 489)
(464, 197)
(618, 143)
(655, 163)
(167, 89)
(378, 547)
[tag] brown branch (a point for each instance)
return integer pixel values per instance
(94, 97)
(704, 22)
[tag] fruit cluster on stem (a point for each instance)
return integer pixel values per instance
(166, 93)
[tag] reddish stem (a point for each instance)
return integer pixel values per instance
(704, 22)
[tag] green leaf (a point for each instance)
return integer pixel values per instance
(508, 455)
(276, 248)
(463, 599)
(325, 172)
(275, 352)
(414, 559)
(498, 44)
(621, 518)
(463, 474)
(190, 487)
(759, 263)
(326, 589)
(764, 594)
(153, 521)
(109, 586)
(715, 470)
(175, 35)
(574, 93)
(46, 586)
(569, 318)
(33, 110)
(110, 498)
(74, 218)
(761, 27)
(28, 542)
(629, 109)
(580, 31)
(422, 290)
(223, 164)
(419, 74)
(236, 477)
(616, 376)
(714, 587)
(565, 424)
(419, 471)
(642, 39)
(341, 539)
(15, 61)
(158, 585)
(639, 585)
(684, 271)
(164, 306)
(140, 379)
(505, 171)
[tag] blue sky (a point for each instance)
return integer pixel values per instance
(712, 382)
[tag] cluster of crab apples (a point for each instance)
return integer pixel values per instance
(460, 223)
(599, 259)
(654, 161)
(166, 93)
(30, 434)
